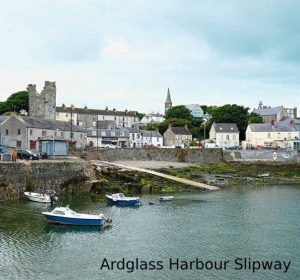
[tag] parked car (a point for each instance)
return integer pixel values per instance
(211, 145)
(108, 146)
(26, 154)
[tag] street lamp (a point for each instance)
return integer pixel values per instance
(97, 133)
(71, 136)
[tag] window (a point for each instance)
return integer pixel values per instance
(81, 135)
(94, 123)
(103, 117)
(123, 118)
(103, 133)
(278, 135)
(19, 144)
(221, 137)
(269, 135)
(62, 134)
(32, 145)
(19, 131)
(289, 135)
(227, 137)
(138, 136)
(113, 133)
(132, 136)
(55, 133)
(44, 133)
(80, 123)
(6, 132)
(30, 132)
(115, 118)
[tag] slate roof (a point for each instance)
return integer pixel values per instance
(180, 131)
(147, 133)
(3, 118)
(109, 133)
(268, 111)
(132, 130)
(33, 122)
(84, 111)
(226, 127)
(267, 127)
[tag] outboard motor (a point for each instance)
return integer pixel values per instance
(52, 194)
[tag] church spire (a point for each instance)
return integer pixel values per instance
(168, 103)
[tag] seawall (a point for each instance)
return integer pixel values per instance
(62, 176)
(172, 155)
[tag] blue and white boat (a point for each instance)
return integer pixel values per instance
(66, 216)
(121, 199)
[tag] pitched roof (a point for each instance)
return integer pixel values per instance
(180, 131)
(278, 127)
(34, 122)
(3, 118)
(132, 130)
(148, 133)
(86, 111)
(226, 127)
(268, 111)
(192, 107)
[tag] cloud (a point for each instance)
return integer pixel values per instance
(125, 54)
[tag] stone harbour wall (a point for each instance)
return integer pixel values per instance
(175, 155)
(63, 177)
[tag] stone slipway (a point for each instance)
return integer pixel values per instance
(162, 175)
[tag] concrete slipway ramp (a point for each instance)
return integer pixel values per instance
(155, 173)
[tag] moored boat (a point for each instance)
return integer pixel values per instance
(66, 216)
(40, 197)
(166, 198)
(121, 199)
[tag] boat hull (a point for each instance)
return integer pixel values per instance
(123, 202)
(73, 221)
(38, 198)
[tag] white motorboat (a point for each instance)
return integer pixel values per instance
(66, 216)
(166, 198)
(41, 197)
(121, 199)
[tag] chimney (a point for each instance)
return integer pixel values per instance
(186, 127)
(170, 125)
(106, 108)
(272, 123)
(85, 107)
(114, 109)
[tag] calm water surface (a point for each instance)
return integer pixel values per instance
(261, 223)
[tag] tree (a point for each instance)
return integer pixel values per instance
(140, 115)
(179, 112)
(15, 103)
(232, 113)
(255, 118)
(163, 126)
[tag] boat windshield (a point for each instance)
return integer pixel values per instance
(121, 195)
(58, 212)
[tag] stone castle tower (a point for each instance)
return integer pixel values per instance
(168, 103)
(42, 105)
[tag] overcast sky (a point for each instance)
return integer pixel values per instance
(126, 53)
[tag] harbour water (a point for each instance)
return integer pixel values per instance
(253, 224)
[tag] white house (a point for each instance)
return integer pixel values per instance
(153, 138)
(281, 134)
(135, 138)
(151, 118)
(117, 137)
(225, 135)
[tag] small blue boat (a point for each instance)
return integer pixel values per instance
(121, 199)
(66, 216)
